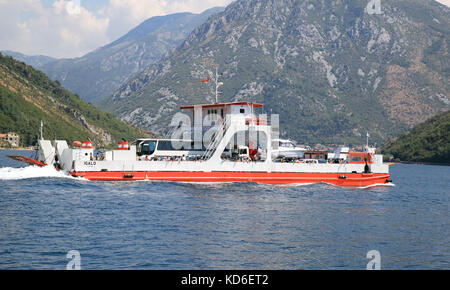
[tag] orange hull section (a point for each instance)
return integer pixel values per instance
(350, 179)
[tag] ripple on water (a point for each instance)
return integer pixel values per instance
(166, 225)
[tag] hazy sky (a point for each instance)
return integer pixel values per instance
(70, 28)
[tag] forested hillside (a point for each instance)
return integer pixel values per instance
(428, 142)
(28, 96)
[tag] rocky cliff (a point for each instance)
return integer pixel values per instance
(332, 69)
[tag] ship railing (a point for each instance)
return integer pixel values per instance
(218, 136)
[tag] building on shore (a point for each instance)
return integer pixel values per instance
(12, 138)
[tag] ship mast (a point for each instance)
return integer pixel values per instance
(218, 84)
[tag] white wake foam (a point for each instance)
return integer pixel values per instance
(9, 173)
(378, 185)
(292, 185)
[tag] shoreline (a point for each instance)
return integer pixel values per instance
(19, 149)
(422, 163)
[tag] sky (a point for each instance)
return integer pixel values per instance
(72, 28)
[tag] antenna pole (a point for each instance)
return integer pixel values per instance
(42, 125)
(217, 78)
(218, 84)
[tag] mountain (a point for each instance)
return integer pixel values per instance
(28, 96)
(35, 60)
(99, 73)
(331, 70)
(427, 142)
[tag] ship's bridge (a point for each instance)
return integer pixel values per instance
(218, 111)
(210, 123)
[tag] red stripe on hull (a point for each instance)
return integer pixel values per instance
(351, 179)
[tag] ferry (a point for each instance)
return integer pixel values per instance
(238, 145)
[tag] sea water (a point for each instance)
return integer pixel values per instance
(44, 214)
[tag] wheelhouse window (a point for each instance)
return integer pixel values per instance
(212, 115)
